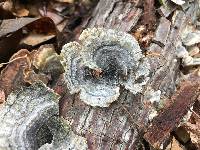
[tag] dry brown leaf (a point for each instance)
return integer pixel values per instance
(193, 127)
(34, 39)
(21, 12)
(175, 145)
(62, 25)
(7, 5)
(11, 76)
(55, 17)
(19, 72)
(182, 135)
(66, 1)
(11, 25)
(14, 30)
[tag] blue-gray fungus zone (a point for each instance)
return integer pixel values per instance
(102, 61)
(29, 121)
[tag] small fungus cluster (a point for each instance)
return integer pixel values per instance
(101, 62)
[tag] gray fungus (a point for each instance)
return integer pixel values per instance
(96, 67)
(101, 62)
(29, 121)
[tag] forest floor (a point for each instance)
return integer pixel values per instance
(32, 30)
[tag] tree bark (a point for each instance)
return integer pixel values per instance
(120, 125)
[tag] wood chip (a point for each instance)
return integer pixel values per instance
(162, 31)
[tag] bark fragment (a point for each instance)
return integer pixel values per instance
(114, 13)
(171, 116)
(149, 17)
(162, 31)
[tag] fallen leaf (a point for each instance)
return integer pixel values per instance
(182, 135)
(7, 5)
(11, 25)
(11, 77)
(19, 72)
(55, 17)
(34, 39)
(44, 25)
(175, 145)
(178, 2)
(194, 130)
(66, 1)
(16, 30)
(62, 25)
(21, 12)
(192, 126)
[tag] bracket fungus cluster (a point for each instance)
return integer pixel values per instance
(29, 120)
(101, 62)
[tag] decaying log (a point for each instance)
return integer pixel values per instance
(165, 76)
(108, 87)
(149, 17)
(101, 67)
(103, 61)
(29, 121)
(166, 121)
(116, 126)
(114, 14)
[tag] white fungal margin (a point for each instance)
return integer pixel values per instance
(103, 61)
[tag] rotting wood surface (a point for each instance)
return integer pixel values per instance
(166, 121)
(115, 127)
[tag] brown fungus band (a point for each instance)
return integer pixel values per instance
(103, 61)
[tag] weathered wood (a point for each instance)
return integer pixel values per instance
(166, 121)
(164, 78)
(115, 127)
(149, 17)
(114, 14)
(166, 11)
(162, 31)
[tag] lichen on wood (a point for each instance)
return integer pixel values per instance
(101, 62)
